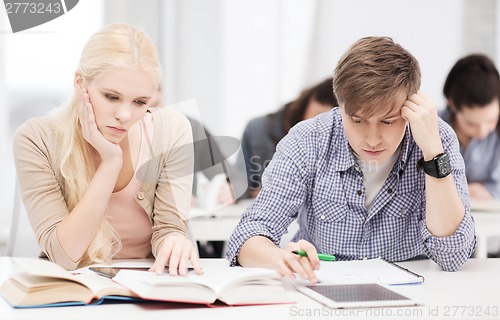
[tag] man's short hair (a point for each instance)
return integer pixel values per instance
(373, 74)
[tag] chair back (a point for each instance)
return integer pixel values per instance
(22, 241)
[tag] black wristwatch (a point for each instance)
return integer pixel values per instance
(439, 167)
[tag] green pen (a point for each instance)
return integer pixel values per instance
(321, 256)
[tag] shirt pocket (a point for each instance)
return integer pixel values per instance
(328, 211)
(404, 206)
(328, 225)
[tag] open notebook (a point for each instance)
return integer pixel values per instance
(366, 271)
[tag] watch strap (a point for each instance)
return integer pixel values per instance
(438, 167)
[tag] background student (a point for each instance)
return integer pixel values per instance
(208, 158)
(105, 176)
(472, 91)
(353, 175)
(262, 134)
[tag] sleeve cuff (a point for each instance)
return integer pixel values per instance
(241, 235)
(451, 252)
(57, 254)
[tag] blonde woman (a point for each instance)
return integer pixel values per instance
(106, 176)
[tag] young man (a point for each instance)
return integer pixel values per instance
(368, 179)
(472, 91)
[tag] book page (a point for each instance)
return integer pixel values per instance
(214, 278)
(23, 289)
(44, 268)
(365, 271)
(100, 286)
(149, 285)
(246, 286)
(222, 279)
(196, 288)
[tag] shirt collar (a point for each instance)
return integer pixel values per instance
(343, 157)
(407, 146)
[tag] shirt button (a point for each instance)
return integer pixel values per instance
(322, 217)
(389, 190)
(140, 195)
(359, 192)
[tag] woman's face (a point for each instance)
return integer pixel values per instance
(120, 98)
(314, 108)
(478, 122)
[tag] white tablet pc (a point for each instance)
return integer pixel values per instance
(355, 295)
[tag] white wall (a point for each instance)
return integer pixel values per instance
(36, 73)
(429, 29)
(4, 138)
(266, 50)
(245, 58)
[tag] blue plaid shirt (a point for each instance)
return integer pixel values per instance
(481, 159)
(314, 177)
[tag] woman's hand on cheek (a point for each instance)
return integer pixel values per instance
(91, 133)
(176, 250)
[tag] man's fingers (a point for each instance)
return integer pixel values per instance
(306, 265)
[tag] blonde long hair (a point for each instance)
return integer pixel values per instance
(115, 45)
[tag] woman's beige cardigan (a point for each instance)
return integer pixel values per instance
(165, 192)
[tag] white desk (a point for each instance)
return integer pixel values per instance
(487, 226)
(217, 224)
(465, 294)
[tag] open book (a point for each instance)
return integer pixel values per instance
(231, 285)
(46, 284)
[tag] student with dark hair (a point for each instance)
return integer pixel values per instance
(472, 90)
(262, 134)
(209, 161)
(379, 176)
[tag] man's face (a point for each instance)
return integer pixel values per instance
(478, 122)
(374, 139)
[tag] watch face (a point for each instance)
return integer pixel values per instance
(443, 171)
(438, 167)
(443, 165)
